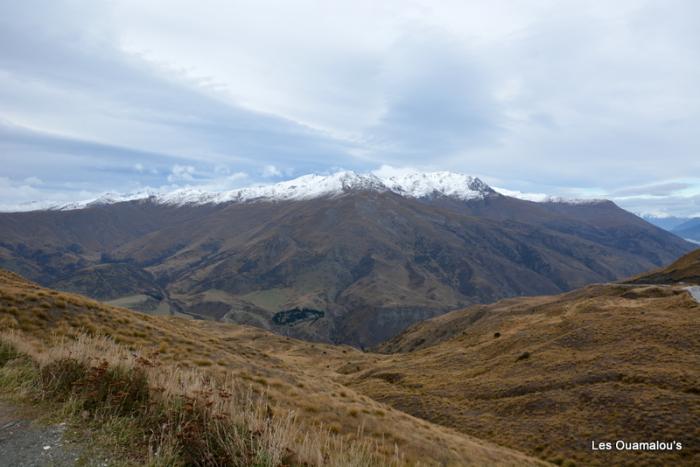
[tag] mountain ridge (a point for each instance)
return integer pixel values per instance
(367, 263)
(552, 373)
(689, 230)
(413, 184)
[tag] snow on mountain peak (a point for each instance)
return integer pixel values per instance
(301, 188)
(409, 184)
(314, 186)
(413, 185)
(105, 198)
(426, 184)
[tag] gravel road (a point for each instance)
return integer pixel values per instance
(24, 443)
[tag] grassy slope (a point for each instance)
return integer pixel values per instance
(295, 375)
(686, 269)
(603, 363)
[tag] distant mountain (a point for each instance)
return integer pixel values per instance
(347, 258)
(665, 222)
(689, 229)
(685, 227)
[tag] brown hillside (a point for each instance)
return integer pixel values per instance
(602, 363)
(549, 375)
(294, 375)
(365, 265)
(684, 270)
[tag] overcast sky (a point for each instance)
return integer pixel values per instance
(569, 98)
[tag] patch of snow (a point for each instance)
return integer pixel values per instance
(305, 187)
(544, 198)
(106, 198)
(407, 183)
(429, 184)
(536, 197)
(559, 199)
(29, 206)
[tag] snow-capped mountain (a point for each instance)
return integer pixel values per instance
(450, 184)
(411, 185)
(301, 188)
(358, 247)
(414, 185)
(107, 198)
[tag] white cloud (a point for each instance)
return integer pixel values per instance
(237, 176)
(32, 181)
(21, 195)
(386, 171)
(181, 173)
(539, 95)
(270, 171)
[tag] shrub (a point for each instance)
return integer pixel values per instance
(58, 377)
(7, 353)
(118, 390)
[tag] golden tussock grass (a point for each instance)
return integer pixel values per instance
(300, 382)
(604, 362)
(188, 417)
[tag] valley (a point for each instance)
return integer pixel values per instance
(544, 376)
(371, 256)
(349, 234)
(294, 377)
(424, 320)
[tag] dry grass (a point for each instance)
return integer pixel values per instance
(606, 362)
(302, 383)
(188, 417)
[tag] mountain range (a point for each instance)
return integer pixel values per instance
(347, 258)
(685, 227)
(689, 229)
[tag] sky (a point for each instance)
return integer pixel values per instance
(568, 98)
